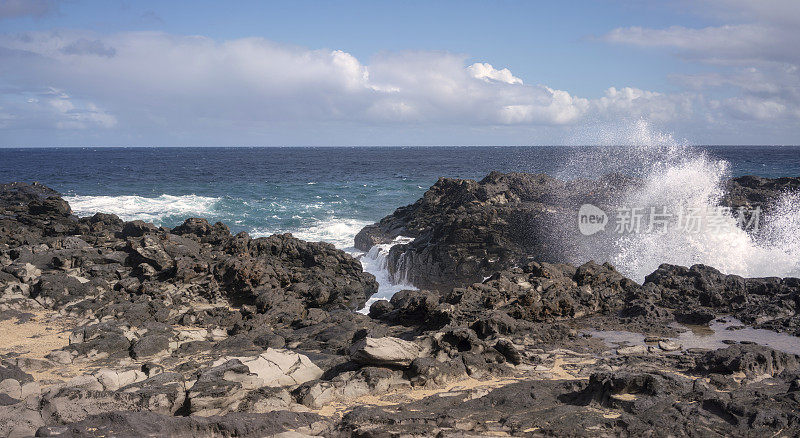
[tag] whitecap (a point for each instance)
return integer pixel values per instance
(150, 209)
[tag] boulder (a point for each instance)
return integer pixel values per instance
(384, 351)
(507, 349)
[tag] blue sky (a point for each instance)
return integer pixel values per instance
(204, 73)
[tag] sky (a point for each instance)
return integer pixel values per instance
(341, 73)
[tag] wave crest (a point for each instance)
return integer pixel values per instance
(133, 207)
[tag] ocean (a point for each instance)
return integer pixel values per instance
(318, 194)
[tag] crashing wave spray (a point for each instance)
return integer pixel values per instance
(677, 178)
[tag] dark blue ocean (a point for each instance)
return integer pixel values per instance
(317, 193)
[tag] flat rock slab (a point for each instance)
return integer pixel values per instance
(275, 368)
(384, 351)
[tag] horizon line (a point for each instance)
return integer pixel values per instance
(376, 146)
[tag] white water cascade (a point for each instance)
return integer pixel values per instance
(376, 262)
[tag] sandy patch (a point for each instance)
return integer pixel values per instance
(35, 338)
(41, 334)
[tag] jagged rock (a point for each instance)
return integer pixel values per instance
(632, 350)
(112, 380)
(17, 390)
(632, 392)
(73, 404)
(668, 345)
(13, 371)
(465, 230)
(175, 322)
(426, 371)
(151, 251)
(752, 191)
(269, 340)
(97, 340)
(751, 359)
(202, 229)
(25, 272)
(138, 228)
(52, 205)
(265, 400)
(350, 385)
(379, 309)
(149, 346)
(695, 317)
(772, 303)
(20, 419)
(57, 289)
(215, 396)
(384, 351)
(221, 388)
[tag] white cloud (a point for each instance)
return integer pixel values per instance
(634, 102)
(145, 77)
(51, 109)
(741, 44)
(485, 71)
(749, 107)
(757, 59)
(181, 86)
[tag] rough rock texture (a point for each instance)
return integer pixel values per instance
(132, 424)
(772, 303)
(164, 321)
(465, 230)
(128, 329)
(752, 191)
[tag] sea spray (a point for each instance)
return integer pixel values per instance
(676, 178)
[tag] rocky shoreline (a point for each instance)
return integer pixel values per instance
(116, 328)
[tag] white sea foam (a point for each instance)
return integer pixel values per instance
(338, 231)
(677, 177)
(132, 207)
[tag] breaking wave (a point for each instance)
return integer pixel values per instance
(678, 179)
(132, 207)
